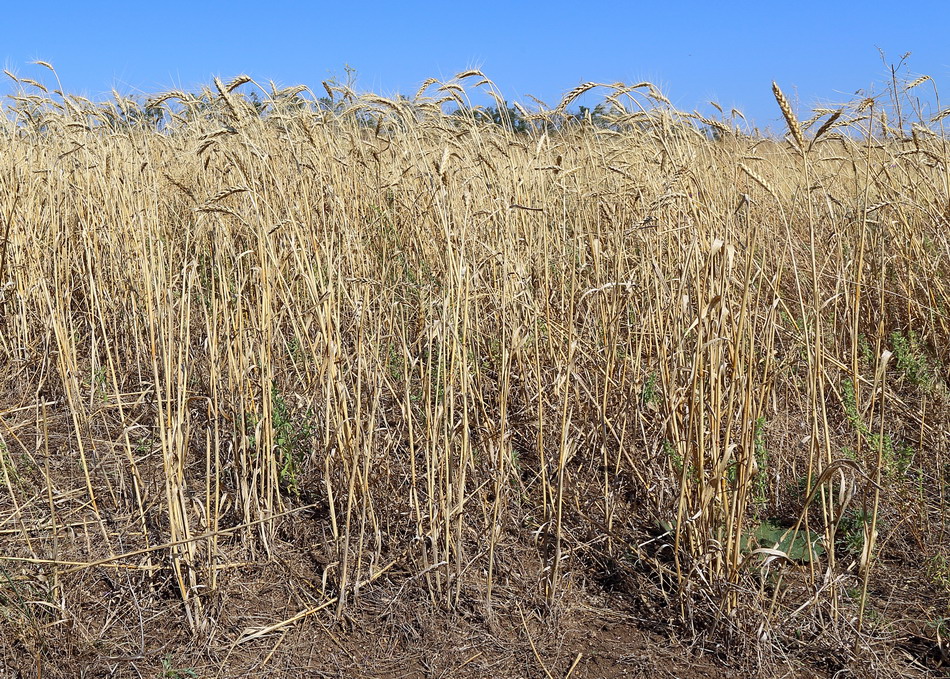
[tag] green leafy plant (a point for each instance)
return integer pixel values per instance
(910, 359)
(650, 394)
(864, 348)
(938, 570)
(851, 407)
(97, 383)
(851, 531)
(897, 456)
(289, 433)
(941, 625)
(171, 672)
(794, 544)
(289, 436)
(675, 458)
(394, 363)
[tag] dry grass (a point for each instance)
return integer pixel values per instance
(263, 371)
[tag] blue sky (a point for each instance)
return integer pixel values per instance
(819, 52)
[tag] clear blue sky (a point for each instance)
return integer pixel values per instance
(819, 52)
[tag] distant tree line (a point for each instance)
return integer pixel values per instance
(164, 113)
(513, 118)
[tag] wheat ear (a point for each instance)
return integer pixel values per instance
(790, 118)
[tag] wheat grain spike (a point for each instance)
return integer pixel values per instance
(790, 118)
(572, 95)
(426, 84)
(826, 125)
(757, 179)
(470, 74)
(940, 116)
(237, 82)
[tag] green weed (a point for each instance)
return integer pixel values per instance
(289, 434)
(896, 456)
(851, 531)
(289, 437)
(649, 395)
(938, 571)
(675, 458)
(910, 359)
(171, 672)
(801, 546)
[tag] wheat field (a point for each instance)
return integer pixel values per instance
(319, 383)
